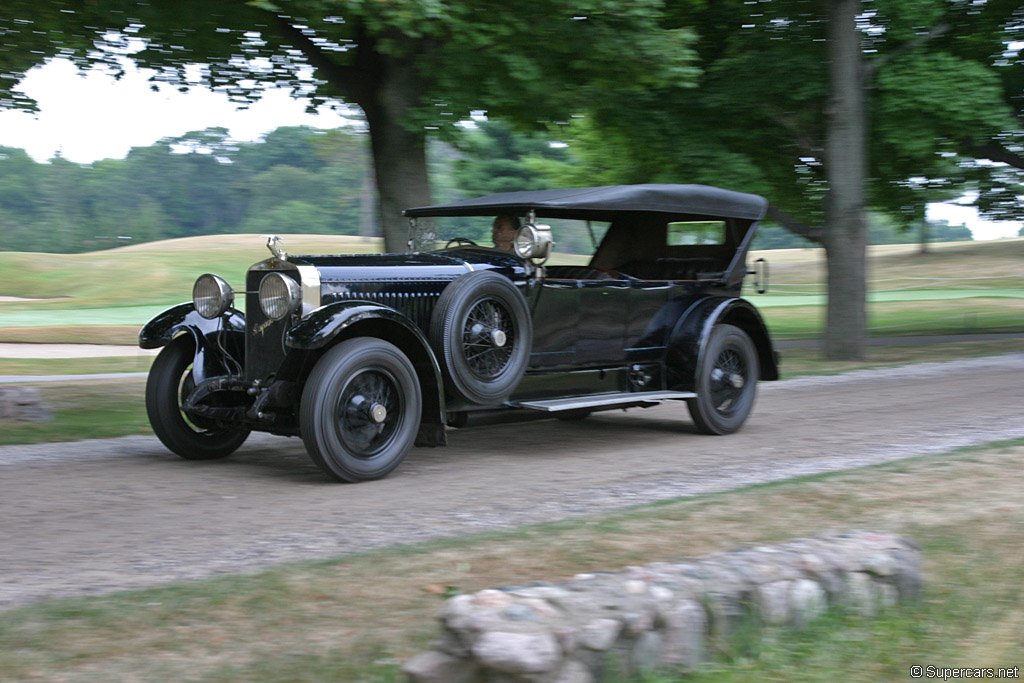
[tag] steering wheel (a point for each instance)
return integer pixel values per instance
(460, 242)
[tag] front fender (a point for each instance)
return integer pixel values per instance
(210, 336)
(345, 319)
(690, 336)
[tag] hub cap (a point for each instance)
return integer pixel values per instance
(368, 412)
(488, 339)
(728, 378)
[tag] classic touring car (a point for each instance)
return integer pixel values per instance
(364, 356)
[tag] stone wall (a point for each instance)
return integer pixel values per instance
(662, 615)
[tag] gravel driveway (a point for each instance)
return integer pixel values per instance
(97, 516)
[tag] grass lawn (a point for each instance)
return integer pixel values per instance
(960, 286)
(355, 618)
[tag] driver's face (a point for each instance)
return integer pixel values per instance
(502, 233)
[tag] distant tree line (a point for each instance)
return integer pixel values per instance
(297, 179)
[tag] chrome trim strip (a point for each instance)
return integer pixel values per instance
(310, 279)
(595, 400)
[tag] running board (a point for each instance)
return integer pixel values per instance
(596, 400)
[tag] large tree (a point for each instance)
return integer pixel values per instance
(829, 108)
(409, 65)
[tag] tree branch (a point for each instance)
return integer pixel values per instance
(871, 68)
(811, 232)
(994, 151)
(349, 81)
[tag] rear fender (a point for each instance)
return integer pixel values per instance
(211, 338)
(336, 322)
(691, 334)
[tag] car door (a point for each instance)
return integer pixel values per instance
(555, 307)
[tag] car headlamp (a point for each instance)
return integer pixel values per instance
(212, 296)
(279, 295)
(533, 241)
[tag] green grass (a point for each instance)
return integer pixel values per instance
(356, 617)
(151, 274)
(74, 366)
(896, 319)
(95, 409)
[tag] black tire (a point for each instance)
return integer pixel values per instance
(726, 382)
(169, 382)
(360, 409)
(481, 329)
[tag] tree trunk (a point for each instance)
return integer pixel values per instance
(399, 153)
(846, 232)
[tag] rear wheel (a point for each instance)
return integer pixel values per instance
(360, 409)
(726, 381)
(168, 385)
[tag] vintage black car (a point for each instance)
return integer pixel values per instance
(364, 356)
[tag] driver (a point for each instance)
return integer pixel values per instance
(503, 231)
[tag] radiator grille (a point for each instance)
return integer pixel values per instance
(264, 338)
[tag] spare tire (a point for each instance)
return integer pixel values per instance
(482, 333)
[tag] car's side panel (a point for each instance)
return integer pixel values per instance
(604, 306)
(691, 333)
(336, 322)
(212, 338)
(555, 307)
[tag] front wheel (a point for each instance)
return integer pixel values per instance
(726, 381)
(168, 385)
(360, 409)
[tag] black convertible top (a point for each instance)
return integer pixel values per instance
(609, 202)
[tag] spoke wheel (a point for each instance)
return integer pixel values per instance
(726, 381)
(482, 332)
(360, 409)
(168, 385)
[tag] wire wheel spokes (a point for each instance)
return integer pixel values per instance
(369, 411)
(729, 376)
(488, 338)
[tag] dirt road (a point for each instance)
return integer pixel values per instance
(98, 516)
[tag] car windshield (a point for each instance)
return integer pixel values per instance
(575, 241)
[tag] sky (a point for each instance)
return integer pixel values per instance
(92, 116)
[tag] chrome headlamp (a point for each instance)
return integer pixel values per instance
(279, 295)
(212, 296)
(533, 241)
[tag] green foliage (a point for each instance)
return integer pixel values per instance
(497, 159)
(941, 76)
(296, 180)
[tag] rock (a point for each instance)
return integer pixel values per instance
(772, 601)
(859, 593)
(491, 598)
(574, 672)
(517, 652)
(646, 654)
(24, 404)
(437, 667)
(807, 599)
(600, 634)
(519, 613)
(685, 626)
